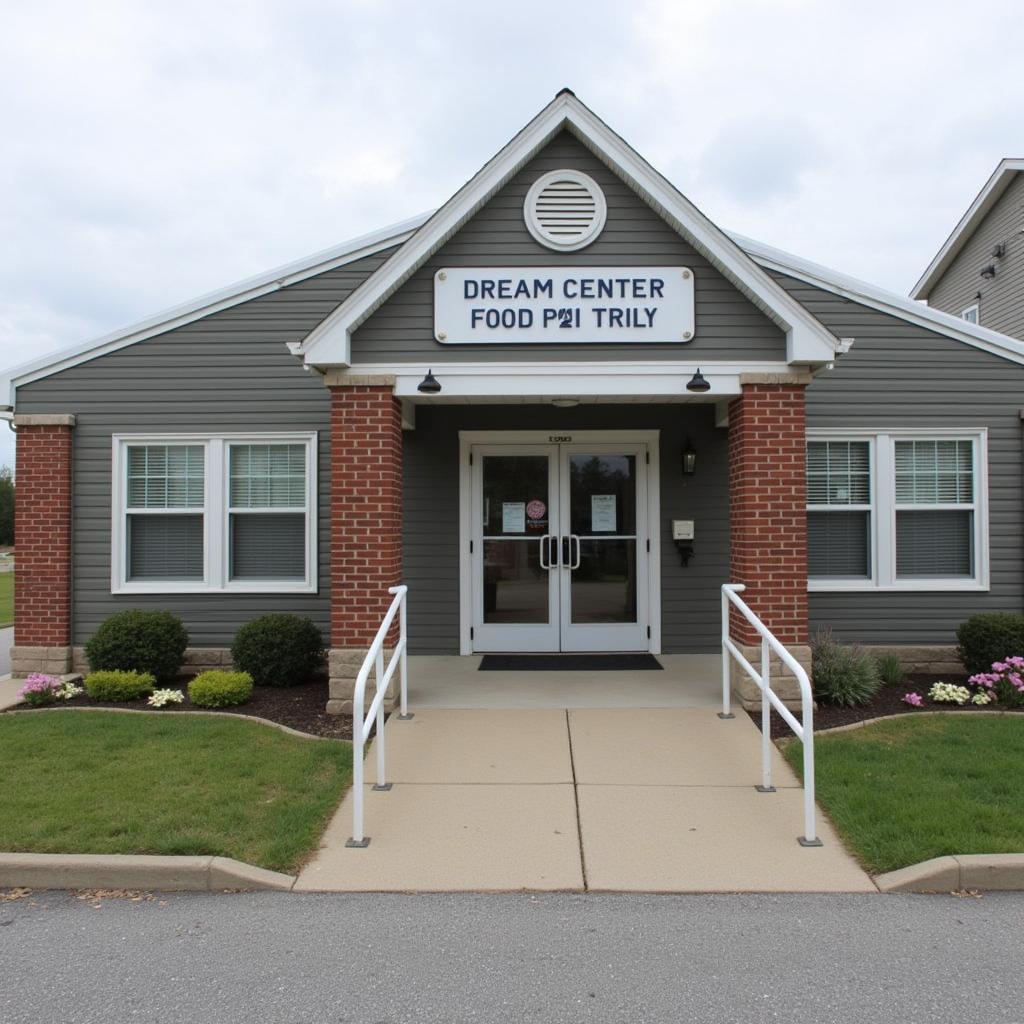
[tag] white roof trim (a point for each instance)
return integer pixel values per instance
(884, 301)
(329, 344)
(212, 302)
(996, 185)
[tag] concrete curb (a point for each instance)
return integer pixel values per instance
(128, 871)
(992, 872)
(164, 712)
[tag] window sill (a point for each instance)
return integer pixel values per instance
(170, 587)
(912, 586)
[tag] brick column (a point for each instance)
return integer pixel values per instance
(768, 516)
(42, 537)
(366, 522)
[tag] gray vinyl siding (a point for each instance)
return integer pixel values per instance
(900, 375)
(1001, 306)
(729, 326)
(228, 372)
(690, 595)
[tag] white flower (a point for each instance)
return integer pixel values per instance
(161, 698)
(948, 693)
(68, 690)
(982, 698)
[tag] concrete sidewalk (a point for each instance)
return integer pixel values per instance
(658, 800)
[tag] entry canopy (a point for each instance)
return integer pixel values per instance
(808, 343)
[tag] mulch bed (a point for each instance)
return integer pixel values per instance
(888, 701)
(298, 707)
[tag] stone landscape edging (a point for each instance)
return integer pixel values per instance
(136, 871)
(900, 714)
(990, 872)
(162, 711)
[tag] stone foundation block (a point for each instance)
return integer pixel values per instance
(343, 667)
(784, 683)
(52, 661)
(939, 659)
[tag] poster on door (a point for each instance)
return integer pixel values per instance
(513, 517)
(602, 513)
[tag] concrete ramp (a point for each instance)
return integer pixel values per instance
(658, 800)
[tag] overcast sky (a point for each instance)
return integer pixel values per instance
(154, 151)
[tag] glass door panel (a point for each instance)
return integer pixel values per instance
(604, 583)
(516, 589)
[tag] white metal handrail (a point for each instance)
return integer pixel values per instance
(374, 716)
(804, 729)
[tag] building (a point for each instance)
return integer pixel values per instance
(978, 274)
(565, 408)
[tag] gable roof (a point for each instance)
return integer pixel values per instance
(990, 194)
(807, 340)
(883, 300)
(211, 302)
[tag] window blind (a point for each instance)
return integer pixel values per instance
(268, 546)
(165, 547)
(839, 545)
(934, 543)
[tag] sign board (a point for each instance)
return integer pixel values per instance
(558, 305)
(513, 517)
(602, 513)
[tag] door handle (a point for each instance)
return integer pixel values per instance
(579, 552)
(545, 543)
(566, 561)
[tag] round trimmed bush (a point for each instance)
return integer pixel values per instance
(278, 650)
(140, 641)
(988, 638)
(118, 685)
(219, 689)
(843, 675)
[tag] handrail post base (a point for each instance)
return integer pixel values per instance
(357, 844)
(804, 841)
(385, 788)
(766, 789)
(724, 716)
(405, 718)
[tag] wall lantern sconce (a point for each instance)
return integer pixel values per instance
(988, 271)
(429, 385)
(698, 383)
(689, 459)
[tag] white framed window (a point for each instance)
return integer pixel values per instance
(970, 314)
(230, 512)
(897, 509)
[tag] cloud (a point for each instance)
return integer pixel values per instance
(157, 151)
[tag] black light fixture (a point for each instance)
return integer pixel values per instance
(430, 385)
(689, 459)
(698, 383)
(988, 271)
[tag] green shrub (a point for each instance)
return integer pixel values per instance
(140, 641)
(218, 689)
(118, 685)
(988, 638)
(278, 650)
(890, 669)
(843, 674)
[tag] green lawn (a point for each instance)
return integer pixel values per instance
(909, 789)
(6, 598)
(108, 782)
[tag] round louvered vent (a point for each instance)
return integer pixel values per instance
(565, 210)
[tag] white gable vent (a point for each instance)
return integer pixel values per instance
(565, 210)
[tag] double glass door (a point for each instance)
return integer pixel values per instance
(559, 547)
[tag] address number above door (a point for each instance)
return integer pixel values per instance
(559, 305)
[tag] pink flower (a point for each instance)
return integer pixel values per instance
(915, 700)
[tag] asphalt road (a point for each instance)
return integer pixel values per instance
(373, 959)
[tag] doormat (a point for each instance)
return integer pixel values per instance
(569, 663)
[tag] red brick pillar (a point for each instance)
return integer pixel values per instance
(768, 511)
(42, 539)
(366, 522)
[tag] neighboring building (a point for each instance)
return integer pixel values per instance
(978, 274)
(499, 405)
